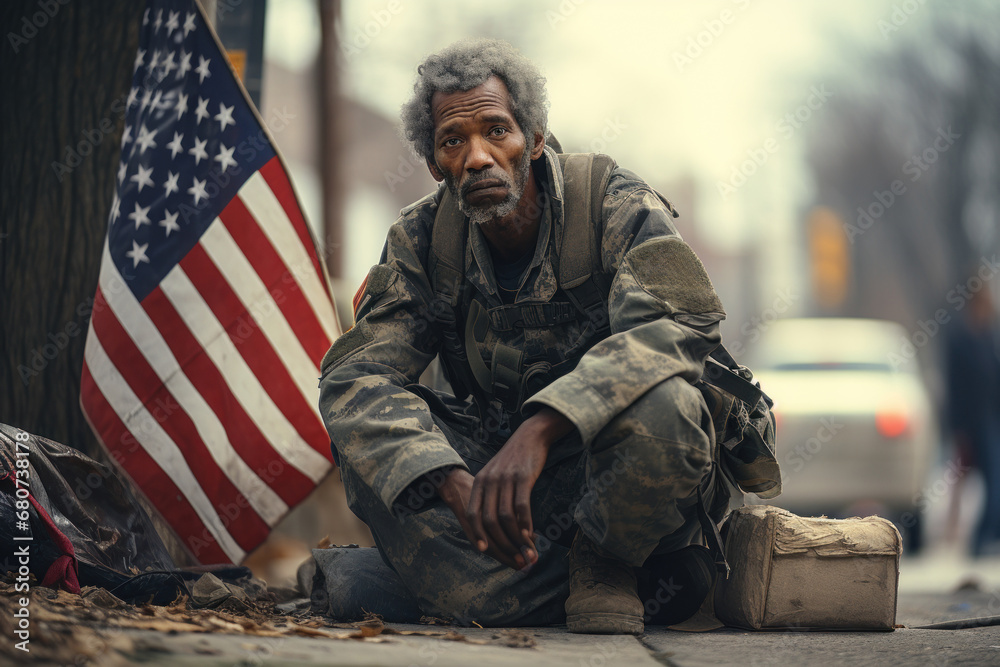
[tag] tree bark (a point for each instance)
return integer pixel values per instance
(66, 70)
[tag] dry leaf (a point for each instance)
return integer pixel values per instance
(366, 631)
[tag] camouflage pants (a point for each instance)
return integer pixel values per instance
(633, 491)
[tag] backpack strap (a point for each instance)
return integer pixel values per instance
(507, 317)
(446, 268)
(586, 177)
(447, 254)
(723, 371)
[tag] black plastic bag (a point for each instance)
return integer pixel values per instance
(83, 525)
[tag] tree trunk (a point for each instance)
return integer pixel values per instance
(66, 70)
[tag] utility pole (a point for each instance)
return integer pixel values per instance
(331, 140)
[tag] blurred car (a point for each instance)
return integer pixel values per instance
(856, 432)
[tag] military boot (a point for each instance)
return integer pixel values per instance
(602, 592)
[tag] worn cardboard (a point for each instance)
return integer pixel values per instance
(803, 572)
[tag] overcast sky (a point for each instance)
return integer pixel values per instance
(679, 86)
(668, 88)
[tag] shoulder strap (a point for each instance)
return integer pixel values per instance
(723, 371)
(447, 254)
(585, 177)
(446, 268)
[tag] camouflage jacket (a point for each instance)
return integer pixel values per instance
(664, 317)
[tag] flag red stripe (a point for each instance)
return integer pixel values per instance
(244, 435)
(268, 264)
(147, 475)
(253, 345)
(247, 527)
(277, 179)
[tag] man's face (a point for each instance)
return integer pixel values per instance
(480, 151)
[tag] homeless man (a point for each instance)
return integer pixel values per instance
(574, 425)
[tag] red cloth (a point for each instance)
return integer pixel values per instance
(65, 570)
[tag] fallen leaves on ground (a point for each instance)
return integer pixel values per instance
(89, 628)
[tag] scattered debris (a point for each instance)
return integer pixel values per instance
(210, 592)
(101, 597)
(969, 584)
(515, 638)
(92, 627)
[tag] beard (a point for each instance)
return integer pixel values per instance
(482, 215)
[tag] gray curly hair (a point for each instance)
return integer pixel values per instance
(463, 66)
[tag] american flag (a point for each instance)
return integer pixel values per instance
(212, 309)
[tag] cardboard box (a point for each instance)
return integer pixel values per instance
(801, 572)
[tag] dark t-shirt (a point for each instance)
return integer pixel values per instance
(510, 275)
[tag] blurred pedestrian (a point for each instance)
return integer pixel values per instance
(974, 407)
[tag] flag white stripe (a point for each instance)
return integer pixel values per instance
(134, 319)
(259, 302)
(242, 383)
(266, 209)
(268, 504)
(155, 441)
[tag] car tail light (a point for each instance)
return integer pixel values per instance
(892, 423)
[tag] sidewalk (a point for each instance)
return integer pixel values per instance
(659, 646)
(89, 634)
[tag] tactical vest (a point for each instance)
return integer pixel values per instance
(507, 379)
(741, 410)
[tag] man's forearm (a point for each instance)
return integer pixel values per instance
(549, 425)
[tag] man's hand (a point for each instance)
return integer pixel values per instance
(496, 514)
(455, 491)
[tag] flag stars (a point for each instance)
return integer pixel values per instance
(202, 69)
(185, 65)
(168, 64)
(127, 135)
(225, 116)
(169, 222)
(122, 170)
(198, 191)
(202, 111)
(155, 60)
(175, 145)
(146, 97)
(137, 254)
(225, 157)
(142, 177)
(146, 139)
(182, 105)
(133, 97)
(159, 19)
(140, 215)
(139, 58)
(188, 23)
(173, 22)
(199, 151)
(157, 100)
(171, 185)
